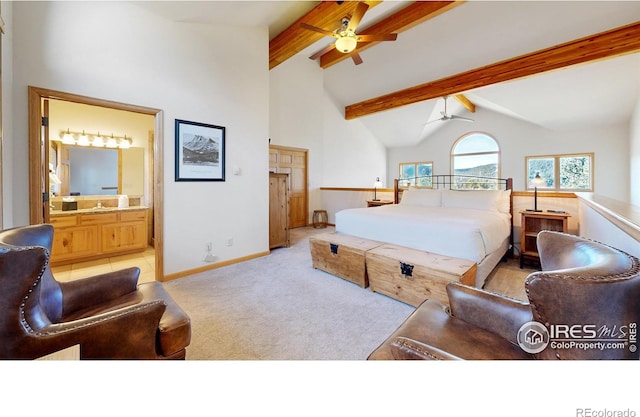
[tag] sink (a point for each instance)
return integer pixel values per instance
(103, 208)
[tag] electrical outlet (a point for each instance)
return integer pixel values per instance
(229, 241)
(209, 256)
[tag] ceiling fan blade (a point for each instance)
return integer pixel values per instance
(316, 29)
(361, 9)
(442, 119)
(462, 119)
(323, 51)
(377, 38)
(357, 59)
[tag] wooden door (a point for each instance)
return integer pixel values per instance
(278, 210)
(293, 161)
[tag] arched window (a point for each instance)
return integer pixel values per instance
(476, 154)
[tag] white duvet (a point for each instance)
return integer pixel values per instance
(451, 231)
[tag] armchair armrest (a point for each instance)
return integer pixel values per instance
(103, 337)
(403, 348)
(492, 312)
(88, 292)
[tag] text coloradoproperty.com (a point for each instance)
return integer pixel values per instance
(587, 345)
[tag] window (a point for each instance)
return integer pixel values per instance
(475, 154)
(572, 172)
(416, 174)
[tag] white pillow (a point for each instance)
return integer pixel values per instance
(504, 201)
(425, 197)
(479, 200)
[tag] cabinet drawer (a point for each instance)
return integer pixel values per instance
(87, 219)
(63, 221)
(129, 216)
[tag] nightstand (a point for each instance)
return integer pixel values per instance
(377, 203)
(532, 223)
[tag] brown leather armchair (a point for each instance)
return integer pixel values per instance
(582, 305)
(109, 315)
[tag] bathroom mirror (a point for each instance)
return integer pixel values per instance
(98, 171)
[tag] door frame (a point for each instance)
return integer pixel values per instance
(37, 183)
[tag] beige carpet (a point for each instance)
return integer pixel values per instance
(278, 307)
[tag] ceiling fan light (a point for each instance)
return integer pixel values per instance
(346, 42)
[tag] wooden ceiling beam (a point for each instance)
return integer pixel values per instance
(615, 42)
(466, 102)
(406, 18)
(327, 14)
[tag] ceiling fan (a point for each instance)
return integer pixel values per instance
(446, 116)
(346, 39)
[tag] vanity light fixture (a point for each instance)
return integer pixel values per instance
(83, 139)
(95, 139)
(67, 139)
(112, 142)
(125, 143)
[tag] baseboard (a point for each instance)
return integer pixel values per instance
(181, 274)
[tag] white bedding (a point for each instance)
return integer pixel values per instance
(452, 231)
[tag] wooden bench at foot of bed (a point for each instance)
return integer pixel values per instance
(408, 275)
(342, 255)
(412, 276)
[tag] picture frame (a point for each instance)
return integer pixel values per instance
(200, 151)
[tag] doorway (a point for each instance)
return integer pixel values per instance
(39, 159)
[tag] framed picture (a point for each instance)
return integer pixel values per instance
(200, 151)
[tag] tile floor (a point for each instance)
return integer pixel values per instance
(143, 260)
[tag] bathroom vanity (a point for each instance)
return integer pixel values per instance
(94, 233)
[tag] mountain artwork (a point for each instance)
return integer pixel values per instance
(200, 150)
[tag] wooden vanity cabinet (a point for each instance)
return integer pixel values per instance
(129, 233)
(87, 236)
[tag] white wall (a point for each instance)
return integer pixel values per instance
(7, 164)
(518, 139)
(302, 114)
(118, 51)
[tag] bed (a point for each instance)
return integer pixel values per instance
(460, 216)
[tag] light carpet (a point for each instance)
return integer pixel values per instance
(279, 307)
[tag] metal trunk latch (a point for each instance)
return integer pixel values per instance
(334, 248)
(406, 269)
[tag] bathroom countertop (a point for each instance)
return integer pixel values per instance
(95, 210)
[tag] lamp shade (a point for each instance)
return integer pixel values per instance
(537, 181)
(378, 183)
(346, 42)
(67, 138)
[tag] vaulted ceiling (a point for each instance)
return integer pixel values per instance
(560, 65)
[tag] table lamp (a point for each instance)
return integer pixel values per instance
(376, 185)
(536, 182)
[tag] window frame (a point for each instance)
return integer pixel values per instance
(409, 182)
(498, 153)
(556, 175)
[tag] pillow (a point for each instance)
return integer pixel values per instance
(491, 200)
(425, 197)
(504, 201)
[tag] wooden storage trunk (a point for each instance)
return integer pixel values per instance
(412, 276)
(342, 255)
